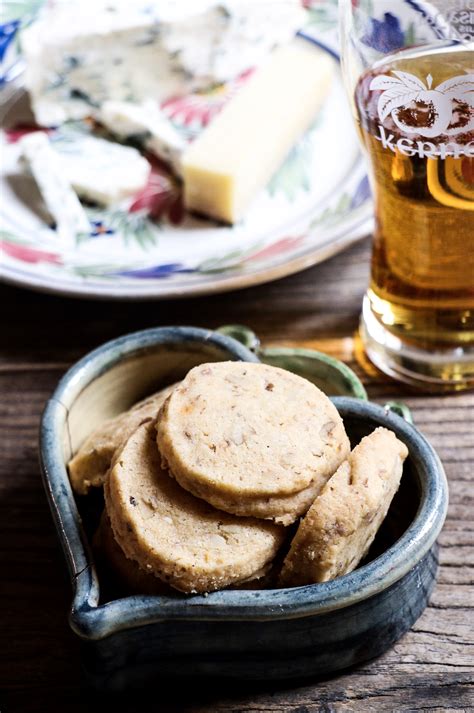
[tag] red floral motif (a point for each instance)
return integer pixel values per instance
(281, 246)
(25, 253)
(162, 196)
(20, 130)
(311, 4)
(200, 108)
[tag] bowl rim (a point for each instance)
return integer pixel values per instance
(91, 620)
(248, 338)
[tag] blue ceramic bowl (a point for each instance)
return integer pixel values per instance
(279, 633)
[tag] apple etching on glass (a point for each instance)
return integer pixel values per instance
(416, 107)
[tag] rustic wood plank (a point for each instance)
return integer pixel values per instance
(430, 668)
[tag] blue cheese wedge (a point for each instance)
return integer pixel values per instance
(59, 197)
(81, 54)
(100, 171)
(147, 123)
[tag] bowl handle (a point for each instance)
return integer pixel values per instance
(400, 409)
(241, 334)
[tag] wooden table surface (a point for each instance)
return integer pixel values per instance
(430, 668)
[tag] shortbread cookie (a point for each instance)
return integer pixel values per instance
(282, 510)
(342, 523)
(177, 537)
(131, 579)
(89, 466)
(126, 572)
(250, 438)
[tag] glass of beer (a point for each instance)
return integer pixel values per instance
(409, 72)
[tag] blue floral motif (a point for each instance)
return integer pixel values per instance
(7, 35)
(8, 52)
(385, 35)
(99, 229)
(157, 271)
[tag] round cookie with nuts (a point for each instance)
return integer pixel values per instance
(175, 536)
(130, 578)
(89, 466)
(126, 573)
(342, 523)
(251, 439)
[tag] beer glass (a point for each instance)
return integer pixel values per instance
(409, 71)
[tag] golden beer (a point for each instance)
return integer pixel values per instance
(415, 114)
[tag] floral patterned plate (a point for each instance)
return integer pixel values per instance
(317, 204)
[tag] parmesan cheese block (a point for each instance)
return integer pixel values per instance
(235, 157)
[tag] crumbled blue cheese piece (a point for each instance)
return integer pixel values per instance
(148, 123)
(59, 197)
(101, 171)
(81, 54)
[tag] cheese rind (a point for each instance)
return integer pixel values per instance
(235, 157)
(59, 197)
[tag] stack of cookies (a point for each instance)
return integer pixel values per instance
(205, 483)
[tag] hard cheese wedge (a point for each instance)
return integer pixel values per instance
(234, 158)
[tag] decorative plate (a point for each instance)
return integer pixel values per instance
(317, 204)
